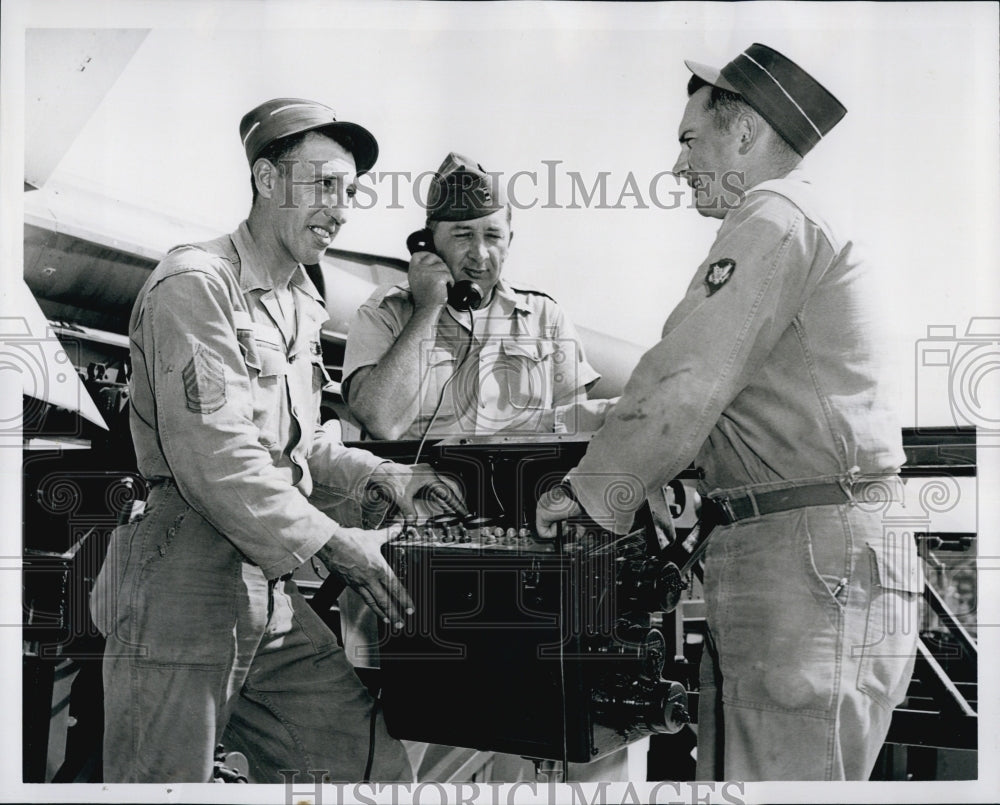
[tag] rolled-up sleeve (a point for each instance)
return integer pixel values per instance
(576, 375)
(711, 347)
(372, 332)
(204, 415)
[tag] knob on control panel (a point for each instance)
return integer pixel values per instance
(652, 585)
(646, 648)
(668, 711)
(657, 707)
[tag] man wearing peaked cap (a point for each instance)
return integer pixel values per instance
(792, 101)
(770, 377)
(284, 117)
(208, 638)
(519, 362)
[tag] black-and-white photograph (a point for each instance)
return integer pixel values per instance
(320, 485)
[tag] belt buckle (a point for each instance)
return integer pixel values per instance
(727, 509)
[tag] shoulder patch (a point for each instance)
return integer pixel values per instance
(719, 273)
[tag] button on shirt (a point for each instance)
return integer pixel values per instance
(769, 370)
(227, 405)
(525, 358)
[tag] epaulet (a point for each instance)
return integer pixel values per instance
(394, 290)
(200, 257)
(217, 247)
(802, 195)
(528, 290)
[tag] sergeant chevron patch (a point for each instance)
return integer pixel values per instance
(204, 381)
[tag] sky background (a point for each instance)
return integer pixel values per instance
(585, 88)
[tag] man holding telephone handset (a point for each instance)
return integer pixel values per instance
(456, 349)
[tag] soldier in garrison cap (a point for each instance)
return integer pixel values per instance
(418, 365)
(208, 637)
(770, 377)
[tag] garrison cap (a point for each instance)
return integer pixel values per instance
(282, 117)
(799, 108)
(462, 190)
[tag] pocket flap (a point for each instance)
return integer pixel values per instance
(273, 363)
(248, 346)
(533, 349)
(435, 356)
(898, 567)
(243, 320)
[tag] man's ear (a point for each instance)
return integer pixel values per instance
(748, 130)
(264, 175)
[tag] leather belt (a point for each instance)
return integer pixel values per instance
(755, 504)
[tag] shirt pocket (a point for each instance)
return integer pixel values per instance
(527, 368)
(267, 369)
(439, 366)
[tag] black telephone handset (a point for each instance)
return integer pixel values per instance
(462, 295)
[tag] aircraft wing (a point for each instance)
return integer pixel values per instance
(31, 351)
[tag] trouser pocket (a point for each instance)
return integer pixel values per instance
(176, 587)
(104, 596)
(185, 599)
(889, 648)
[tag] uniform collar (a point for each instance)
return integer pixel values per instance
(508, 299)
(253, 270)
(505, 297)
(796, 175)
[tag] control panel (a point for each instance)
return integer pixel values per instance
(548, 648)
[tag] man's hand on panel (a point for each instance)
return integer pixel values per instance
(413, 491)
(554, 506)
(355, 554)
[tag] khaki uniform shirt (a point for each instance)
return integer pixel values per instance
(770, 370)
(526, 358)
(227, 405)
